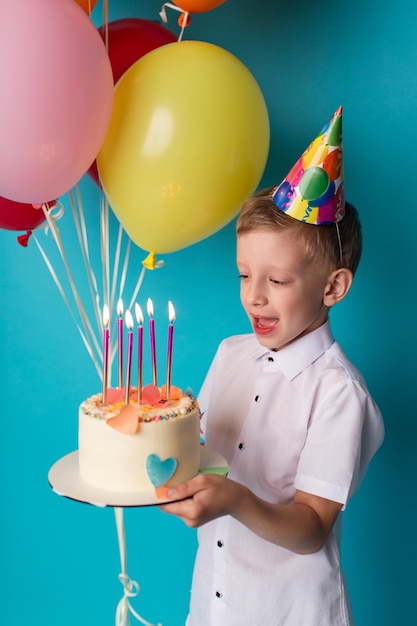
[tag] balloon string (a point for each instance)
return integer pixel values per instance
(185, 14)
(138, 286)
(130, 587)
(57, 211)
(106, 23)
(124, 269)
(58, 241)
(62, 292)
(80, 227)
(83, 323)
(116, 263)
(104, 249)
(116, 268)
(116, 281)
(88, 334)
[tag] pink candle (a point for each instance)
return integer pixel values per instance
(153, 343)
(120, 342)
(171, 315)
(139, 319)
(129, 324)
(106, 319)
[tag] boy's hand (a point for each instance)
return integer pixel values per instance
(202, 499)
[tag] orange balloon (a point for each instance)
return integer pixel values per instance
(198, 6)
(87, 5)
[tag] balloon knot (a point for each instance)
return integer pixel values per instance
(23, 240)
(184, 20)
(150, 260)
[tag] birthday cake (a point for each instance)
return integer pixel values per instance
(139, 447)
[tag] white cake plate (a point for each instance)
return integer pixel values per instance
(65, 480)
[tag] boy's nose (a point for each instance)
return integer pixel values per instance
(256, 294)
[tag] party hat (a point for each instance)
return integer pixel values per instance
(313, 190)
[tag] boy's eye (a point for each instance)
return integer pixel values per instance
(242, 276)
(277, 282)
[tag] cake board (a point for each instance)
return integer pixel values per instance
(65, 480)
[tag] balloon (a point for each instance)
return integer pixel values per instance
(198, 6)
(333, 163)
(19, 216)
(87, 5)
(314, 183)
(187, 143)
(48, 142)
(129, 39)
(284, 195)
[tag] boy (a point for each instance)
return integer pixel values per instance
(288, 411)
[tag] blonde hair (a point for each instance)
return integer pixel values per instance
(259, 212)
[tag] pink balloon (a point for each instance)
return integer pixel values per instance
(56, 96)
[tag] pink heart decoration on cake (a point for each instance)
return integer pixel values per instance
(115, 395)
(151, 395)
(126, 421)
(175, 392)
(159, 471)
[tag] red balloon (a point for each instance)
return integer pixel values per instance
(20, 216)
(129, 39)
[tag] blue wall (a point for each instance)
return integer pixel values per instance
(59, 559)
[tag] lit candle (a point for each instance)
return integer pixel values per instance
(120, 340)
(153, 345)
(139, 319)
(106, 319)
(171, 315)
(129, 324)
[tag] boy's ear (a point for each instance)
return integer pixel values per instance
(337, 286)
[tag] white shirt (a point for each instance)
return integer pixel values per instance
(300, 418)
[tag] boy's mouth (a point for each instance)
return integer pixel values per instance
(264, 325)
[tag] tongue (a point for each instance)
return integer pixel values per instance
(266, 322)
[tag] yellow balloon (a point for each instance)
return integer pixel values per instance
(187, 144)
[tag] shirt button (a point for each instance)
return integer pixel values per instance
(241, 446)
(219, 594)
(271, 359)
(257, 398)
(220, 543)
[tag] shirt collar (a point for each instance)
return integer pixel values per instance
(298, 355)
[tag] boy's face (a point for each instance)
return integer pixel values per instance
(281, 289)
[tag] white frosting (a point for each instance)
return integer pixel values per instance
(114, 461)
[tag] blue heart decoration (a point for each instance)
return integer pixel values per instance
(159, 471)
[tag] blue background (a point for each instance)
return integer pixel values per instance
(59, 559)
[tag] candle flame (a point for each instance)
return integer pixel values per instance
(120, 307)
(149, 307)
(129, 320)
(106, 316)
(171, 311)
(138, 313)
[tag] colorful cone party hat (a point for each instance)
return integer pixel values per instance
(313, 190)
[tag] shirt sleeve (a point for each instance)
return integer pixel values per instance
(344, 433)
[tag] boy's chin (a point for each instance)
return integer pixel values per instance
(267, 342)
